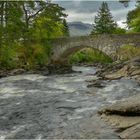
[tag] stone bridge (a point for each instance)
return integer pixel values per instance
(108, 44)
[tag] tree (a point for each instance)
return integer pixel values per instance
(25, 31)
(119, 30)
(32, 9)
(10, 21)
(23, 19)
(133, 19)
(66, 28)
(49, 24)
(104, 22)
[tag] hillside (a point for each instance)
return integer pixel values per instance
(79, 28)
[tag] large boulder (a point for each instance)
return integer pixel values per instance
(124, 115)
(123, 72)
(129, 107)
(121, 122)
(131, 133)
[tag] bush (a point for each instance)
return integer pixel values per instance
(89, 56)
(18, 56)
(32, 56)
(8, 57)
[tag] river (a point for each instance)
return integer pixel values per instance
(59, 106)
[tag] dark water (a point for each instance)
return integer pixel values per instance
(59, 106)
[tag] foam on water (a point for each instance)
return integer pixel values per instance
(31, 77)
(85, 109)
(10, 90)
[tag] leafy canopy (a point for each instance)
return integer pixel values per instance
(133, 19)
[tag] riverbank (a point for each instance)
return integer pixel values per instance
(42, 70)
(50, 69)
(127, 69)
(124, 115)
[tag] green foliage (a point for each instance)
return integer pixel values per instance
(50, 23)
(65, 28)
(28, 57)
(119, 30)
(135, 25)
(33, 56)
(133, 19)
(8, 57)
(23, 27)
(10, 21)
(89, 56)
(104, 22)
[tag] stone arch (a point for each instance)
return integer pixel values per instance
(65, 55)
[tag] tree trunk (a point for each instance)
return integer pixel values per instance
(2, 13)
(26, 16)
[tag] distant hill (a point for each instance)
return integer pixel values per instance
(79, 28)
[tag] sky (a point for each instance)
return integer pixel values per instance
(85, 10)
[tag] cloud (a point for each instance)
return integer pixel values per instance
(122, 23)
(85, 11)
(84, 17)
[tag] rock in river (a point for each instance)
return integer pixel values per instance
(124, 115)
(131, 133)
(129, 69)
(129, 107)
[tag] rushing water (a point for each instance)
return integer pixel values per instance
(58, 106)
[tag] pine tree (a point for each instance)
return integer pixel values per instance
(66, 28)
(104, 22)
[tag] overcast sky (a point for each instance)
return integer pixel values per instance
(85, 11)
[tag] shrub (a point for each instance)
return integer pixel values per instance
(8, 57)
(89, 56)
(27, 56)
(33, 55)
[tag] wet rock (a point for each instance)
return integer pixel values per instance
(131, 133)
(124, 115)
(121, 122)
(119, 70)
(59, 69)
(119, 74)
(135, 72)
(3, 74)
(43, 70)
(111, 74)
(17, 71)
(96, 83)
(129, 107)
